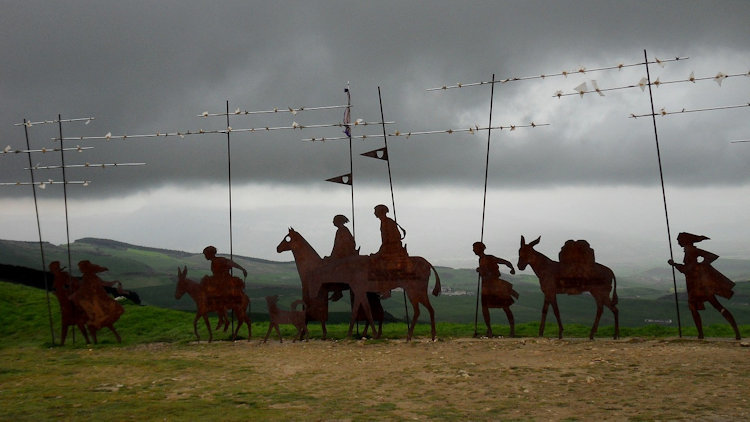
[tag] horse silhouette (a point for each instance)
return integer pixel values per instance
(237, 302)
(555, 279)
(357, 273)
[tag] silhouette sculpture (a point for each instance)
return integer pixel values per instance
(496, 292)
(70, 313)
(703, 281)
(344, 245)
(363, 274)
(279, 316)
(577, 272)
(101, 310)
(236, 300)
(221, 285)
(378, 314)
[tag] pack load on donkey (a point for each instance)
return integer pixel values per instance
(577, 264)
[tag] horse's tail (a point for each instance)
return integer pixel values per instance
(298, 302)
(436, 290)
(614, 290)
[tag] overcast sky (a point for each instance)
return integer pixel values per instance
(142, 67)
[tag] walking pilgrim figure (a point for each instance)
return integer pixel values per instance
(703, 281)
(496, 292)
(70, 313)
(101, 310)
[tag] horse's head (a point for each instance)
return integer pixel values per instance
(526, 252)
(288, 242)
(181, 283)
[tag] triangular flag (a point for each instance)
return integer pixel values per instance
(345, 179)
(380, 154)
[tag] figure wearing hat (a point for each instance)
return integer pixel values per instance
(390, 234)
(703, 281)
(496, 292)
(343, 246)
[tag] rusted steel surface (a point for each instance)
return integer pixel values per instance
(577, 272)
(101, 310)
(704, 282)
(71, 315)
(496, 292)
(218, 292)
(279, 316)
(379, 273)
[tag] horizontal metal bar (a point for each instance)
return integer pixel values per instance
(472, 130)
(274, 110)
(43, 150)
(46, 122)
(581, 70)
(85, 165)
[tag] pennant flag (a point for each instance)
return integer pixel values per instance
(347, 114)
(380, 154)
(345, 179)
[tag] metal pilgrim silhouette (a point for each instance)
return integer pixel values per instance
(704, 282)
(100, 309)
(389, 268)
(496, 292)
(218, 292)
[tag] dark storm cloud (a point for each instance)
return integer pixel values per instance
(142, 67)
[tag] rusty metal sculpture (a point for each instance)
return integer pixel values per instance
(70, 313)
(364, 274)
(217, 300)
(378, 314)
(279, 316)
(101, 310)
(704, 282)
(496, 292)
(577, 272)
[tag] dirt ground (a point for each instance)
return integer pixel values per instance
(454, 379)
(541, 379)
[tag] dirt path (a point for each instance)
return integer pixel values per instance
(457, 379)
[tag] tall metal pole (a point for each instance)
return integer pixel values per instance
(229, 181)
(484, 200)
(663, 193)
(390, 182)
(65, 193)
(39, 229)
(351, 159)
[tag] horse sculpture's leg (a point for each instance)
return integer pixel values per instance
(511, 321)
(726, 314)
(616, 313)
(208, 327)
(117, 336)
(599, 308)
(544, 316)
(83, 331)
(556, 311)
(270, 327)
(323, 326)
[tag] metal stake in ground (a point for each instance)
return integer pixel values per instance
(663, 193)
